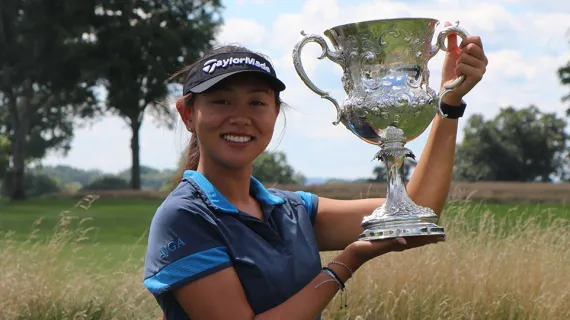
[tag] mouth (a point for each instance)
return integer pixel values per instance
(237, 138)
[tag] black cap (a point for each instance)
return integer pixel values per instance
(216, 68)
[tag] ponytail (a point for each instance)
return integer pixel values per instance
(192, 159)
(193, 156)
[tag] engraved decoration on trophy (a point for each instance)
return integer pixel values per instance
(388, 103)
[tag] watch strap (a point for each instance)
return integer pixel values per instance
(452, 112)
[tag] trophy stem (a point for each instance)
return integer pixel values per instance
(398, 216)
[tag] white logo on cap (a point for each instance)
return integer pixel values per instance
(211, 65)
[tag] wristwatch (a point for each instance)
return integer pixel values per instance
(452, 112)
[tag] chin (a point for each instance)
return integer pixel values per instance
(237, 162)
(238, 159)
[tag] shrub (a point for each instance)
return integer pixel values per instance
(107, 183)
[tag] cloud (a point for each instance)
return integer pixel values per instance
(510, 64)
(524, 50)
(242, 31)
(526, 42)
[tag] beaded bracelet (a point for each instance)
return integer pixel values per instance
(344, 265)
(336, 279)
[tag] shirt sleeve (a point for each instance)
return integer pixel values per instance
(311, 203)
(183, 246)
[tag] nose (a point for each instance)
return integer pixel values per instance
(240, 120)
(240, 116)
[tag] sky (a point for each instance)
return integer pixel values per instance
(525, 41)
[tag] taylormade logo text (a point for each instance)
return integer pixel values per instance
(211, 65)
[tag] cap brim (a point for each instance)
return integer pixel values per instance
(277, 84)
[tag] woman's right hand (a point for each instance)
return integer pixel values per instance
(363, 251)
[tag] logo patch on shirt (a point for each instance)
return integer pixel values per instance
(171, 247)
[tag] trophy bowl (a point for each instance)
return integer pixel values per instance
(388, 103)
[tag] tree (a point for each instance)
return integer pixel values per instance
(151, 178)
(272, 167)
(42, 82)
(35, 185)
(140, 44)
(517, 145)
(564, 74)
(4, 155)
(107, 182)
(68, 175)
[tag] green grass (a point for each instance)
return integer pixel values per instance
(508, 214)
(90, 267)
(123, 222)
(118, 228)
(115, 221)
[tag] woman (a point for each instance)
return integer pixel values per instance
(221, 246)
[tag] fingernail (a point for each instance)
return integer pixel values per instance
(401, 240)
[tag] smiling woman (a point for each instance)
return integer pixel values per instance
(221, 69)
(222, 239)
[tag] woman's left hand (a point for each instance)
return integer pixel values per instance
(466, 59)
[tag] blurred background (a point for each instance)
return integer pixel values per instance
(89, 138)
(85, 92)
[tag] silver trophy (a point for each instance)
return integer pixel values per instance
(388, 103)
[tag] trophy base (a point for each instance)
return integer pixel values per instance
(380, 230)
(380, 225)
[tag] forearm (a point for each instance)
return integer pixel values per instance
(338, 222)
(431, 180)
(310, 301)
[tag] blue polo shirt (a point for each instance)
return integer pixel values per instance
(196, 232)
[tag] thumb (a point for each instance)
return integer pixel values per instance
(451, 39)
(401, 241)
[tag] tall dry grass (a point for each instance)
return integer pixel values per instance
(485, 271)
(54, 279)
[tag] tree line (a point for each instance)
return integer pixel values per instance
(66, 60)
(66, 63)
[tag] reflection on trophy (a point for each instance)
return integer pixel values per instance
(388, 103)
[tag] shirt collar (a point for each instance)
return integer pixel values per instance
(220, 202)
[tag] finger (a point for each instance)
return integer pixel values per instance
(471, 60)
(416, 242)
(451, 39)
(476, 51)
(425, 239)
(385, 246)
(471, 39)
(472, 75)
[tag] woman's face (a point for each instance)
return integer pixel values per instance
(234, 121)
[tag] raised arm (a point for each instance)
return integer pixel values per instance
(338, 221)
(431, 180)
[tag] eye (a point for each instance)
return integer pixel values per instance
(258, 103)
(221, 101)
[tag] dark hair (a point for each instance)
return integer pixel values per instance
(193, 155)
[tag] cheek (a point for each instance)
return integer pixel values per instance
(205, 119)
(268, 121)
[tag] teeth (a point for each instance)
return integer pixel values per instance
(237, 138)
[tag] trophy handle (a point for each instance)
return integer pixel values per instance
(441, 46)
(326, 52)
